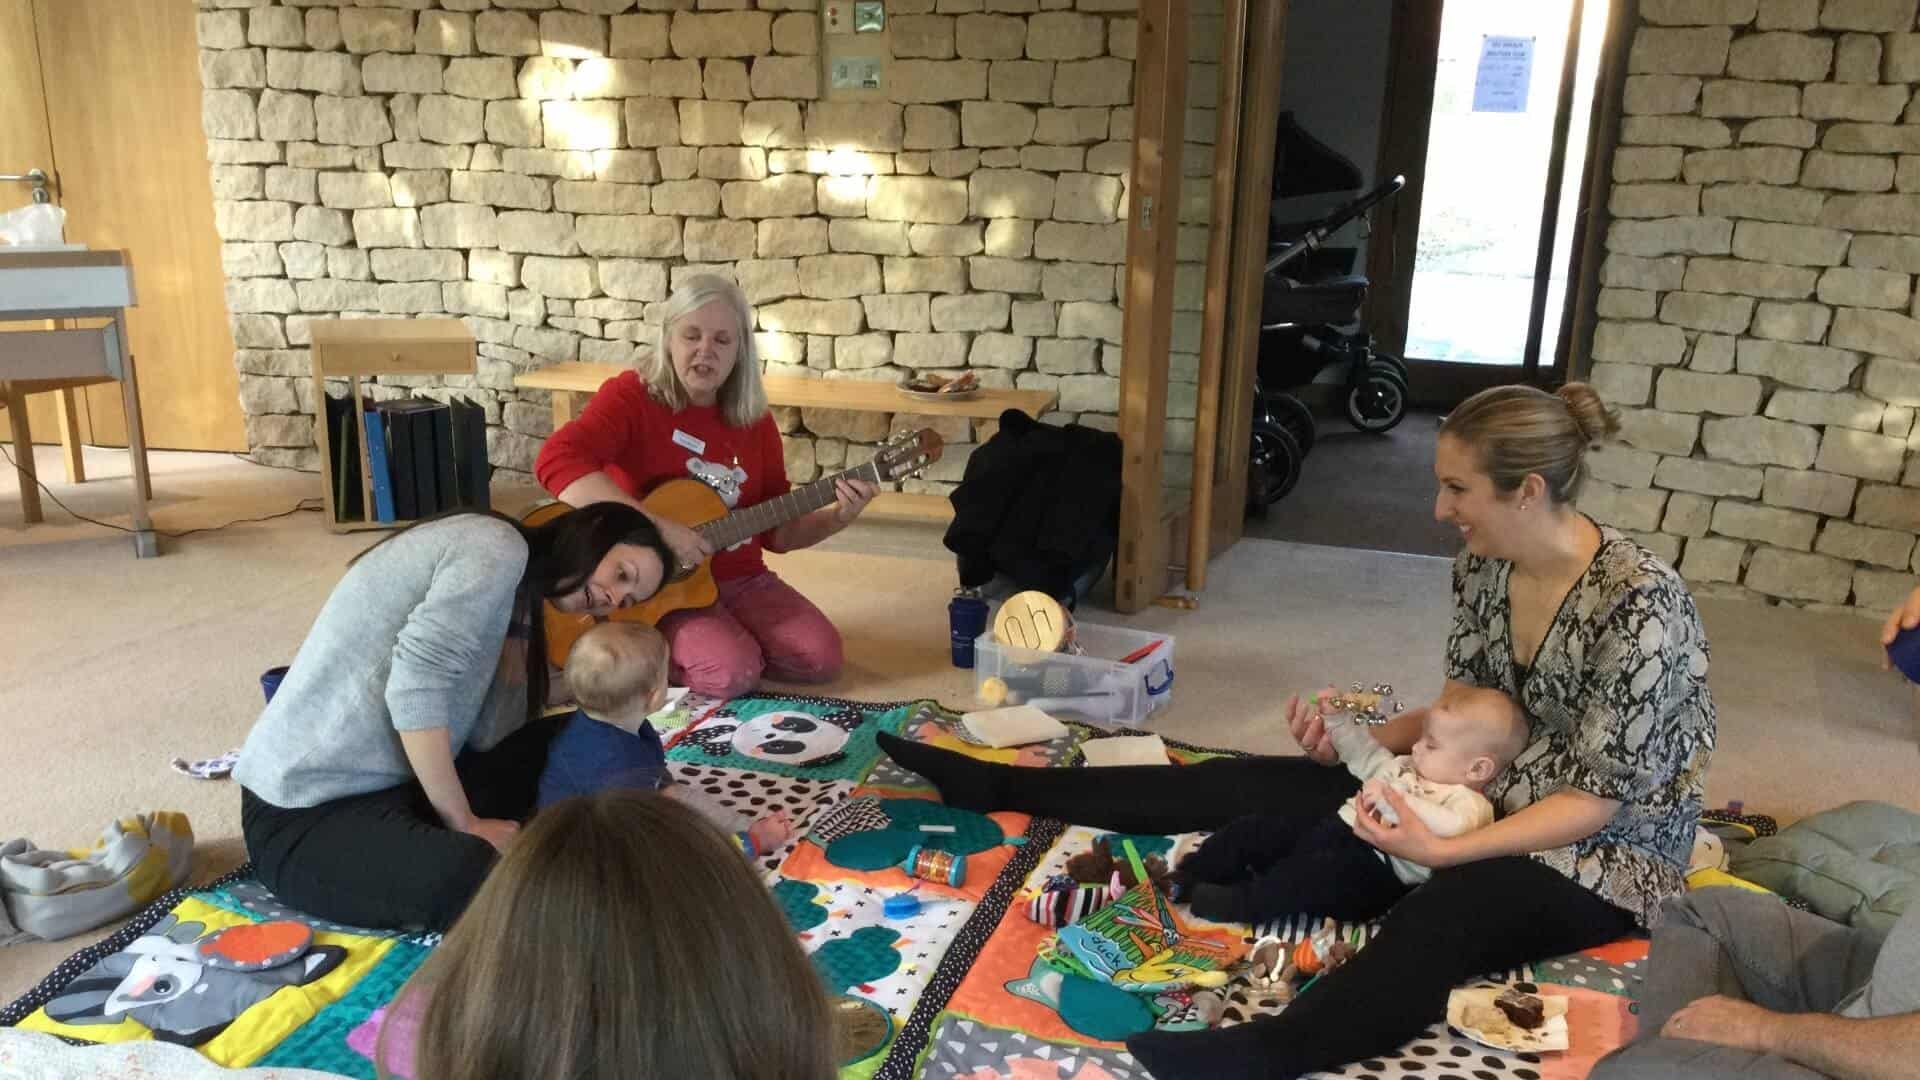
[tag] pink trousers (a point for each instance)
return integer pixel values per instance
(759, 626)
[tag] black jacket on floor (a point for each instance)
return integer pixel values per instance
(1038, 503)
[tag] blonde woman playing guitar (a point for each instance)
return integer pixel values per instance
(696, 410)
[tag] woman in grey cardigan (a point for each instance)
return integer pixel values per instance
(405, 743)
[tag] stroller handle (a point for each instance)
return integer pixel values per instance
(1317, 233)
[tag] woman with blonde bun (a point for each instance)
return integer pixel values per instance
(1598, 641)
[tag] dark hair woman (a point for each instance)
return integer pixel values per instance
(404, 744)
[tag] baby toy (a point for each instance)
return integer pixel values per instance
(1374, 707)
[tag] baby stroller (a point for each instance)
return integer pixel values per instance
(1310, 331)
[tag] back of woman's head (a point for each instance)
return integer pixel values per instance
(564, 552)
(1517, 430)
(621, 937)
(743, 398)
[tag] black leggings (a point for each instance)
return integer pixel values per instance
(383, 860)
(1468, 921)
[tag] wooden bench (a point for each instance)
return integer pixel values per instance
(568, 382)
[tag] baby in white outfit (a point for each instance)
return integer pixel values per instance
(1268, 866)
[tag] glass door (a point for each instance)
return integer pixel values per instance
(1500, 176)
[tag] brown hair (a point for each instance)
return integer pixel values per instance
(620, 937)
(615, 664)
(1520, 430)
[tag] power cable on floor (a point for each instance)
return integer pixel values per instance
(301, 507)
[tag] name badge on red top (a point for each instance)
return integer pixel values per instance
(696, 445)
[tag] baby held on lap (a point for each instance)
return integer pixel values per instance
(1268, 866)
(618, 674)
(1471, 734)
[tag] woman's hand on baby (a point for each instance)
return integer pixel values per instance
(1308, 723)
(494, 831)
(1407, 837)
(1373, 800)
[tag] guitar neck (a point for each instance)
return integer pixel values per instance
(775, 512)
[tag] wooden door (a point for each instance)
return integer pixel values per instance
(122, 104)
(25, 144)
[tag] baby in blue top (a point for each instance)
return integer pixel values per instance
(617, 672)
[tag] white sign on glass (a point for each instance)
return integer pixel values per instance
(1506, 68)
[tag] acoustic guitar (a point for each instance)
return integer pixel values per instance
(699, 507)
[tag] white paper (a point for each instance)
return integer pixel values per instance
(1015, 725)
(1125, 750)
(1506, 69)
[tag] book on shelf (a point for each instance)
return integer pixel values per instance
(379, 472)
(344, 440)
(425, 457)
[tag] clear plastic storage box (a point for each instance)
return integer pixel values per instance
(1095, 687)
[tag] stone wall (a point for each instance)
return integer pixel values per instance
(550, 169)
(1758, 318)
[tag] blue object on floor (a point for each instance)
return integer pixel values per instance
(1905, 653)
(270, 681)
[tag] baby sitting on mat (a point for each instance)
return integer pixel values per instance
(1269, 866)
(618, 674)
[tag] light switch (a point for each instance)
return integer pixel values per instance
(839, 16)
(869, 16)
(856, 73)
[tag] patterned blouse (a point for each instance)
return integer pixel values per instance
(1618, 700)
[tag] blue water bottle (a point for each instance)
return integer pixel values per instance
(967, 616)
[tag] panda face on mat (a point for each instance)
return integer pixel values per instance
(793, 738)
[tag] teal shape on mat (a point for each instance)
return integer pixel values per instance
(801, 903)
(875, 850)
(882, 848)
(1144, 844)
(867, 955)
(321, 1043)
(1093, 1009)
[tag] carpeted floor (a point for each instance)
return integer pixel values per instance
(110, 666)
(1370, 492)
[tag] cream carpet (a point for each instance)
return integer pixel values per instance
(110, 666)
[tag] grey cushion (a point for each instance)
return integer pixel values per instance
(1857, 864)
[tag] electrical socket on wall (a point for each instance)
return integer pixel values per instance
(869, 16)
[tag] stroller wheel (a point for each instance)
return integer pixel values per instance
(1273, 467)
(1380, 361)
(1378, 403)
(1294, 415)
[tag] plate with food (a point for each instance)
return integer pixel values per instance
(928, 386)
(1510, 1018)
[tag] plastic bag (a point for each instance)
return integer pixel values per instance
(36, 225)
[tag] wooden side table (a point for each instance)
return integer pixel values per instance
(80, 298)
(353, 348)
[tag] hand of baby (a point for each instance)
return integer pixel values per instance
(1373, 801)
(770, 832)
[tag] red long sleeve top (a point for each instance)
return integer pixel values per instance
(641, 444)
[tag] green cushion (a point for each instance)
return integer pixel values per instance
(1858, 864)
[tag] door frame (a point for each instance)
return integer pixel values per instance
(1153, 233)
(1262, 42)
(1403, 149)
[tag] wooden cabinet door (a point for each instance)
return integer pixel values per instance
(122, 103)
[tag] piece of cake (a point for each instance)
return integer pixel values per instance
(1526, 1011)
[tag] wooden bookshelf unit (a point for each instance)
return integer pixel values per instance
(355, 348)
